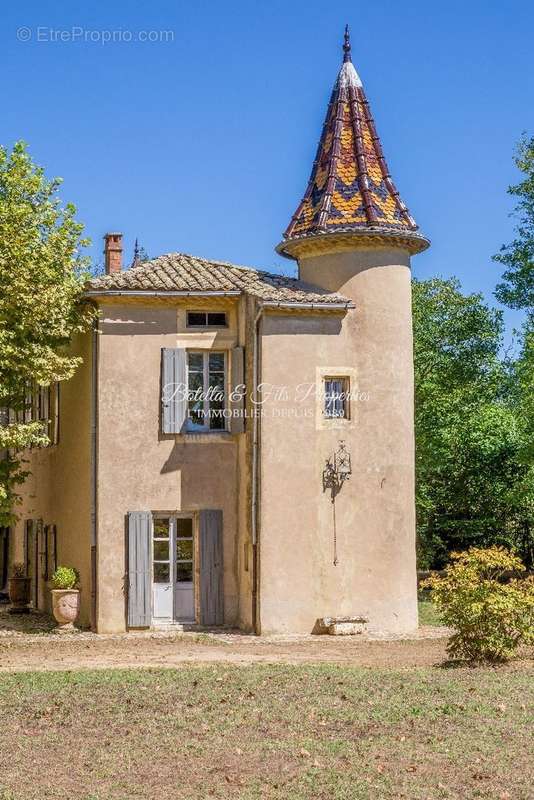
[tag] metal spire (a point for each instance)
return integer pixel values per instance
(346, 46)
(136, 254)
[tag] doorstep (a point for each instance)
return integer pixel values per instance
(171, 626)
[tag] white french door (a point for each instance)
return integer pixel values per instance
(173, 568)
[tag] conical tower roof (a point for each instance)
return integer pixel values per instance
(350, 192)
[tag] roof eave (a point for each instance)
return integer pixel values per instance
(161, 293)
(351, 239)
(318, 306)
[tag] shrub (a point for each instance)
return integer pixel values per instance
(65, 578)
(491, 617)
(18, 570)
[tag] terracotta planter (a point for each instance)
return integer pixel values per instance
(66, 607)
(19, 595)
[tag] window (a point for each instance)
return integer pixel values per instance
(336, 398)
(206, 319)
(184, 550)
(206, 381)
(172, 533)
(42, 405)
(161, 551)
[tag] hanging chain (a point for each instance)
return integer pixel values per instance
(335, 533)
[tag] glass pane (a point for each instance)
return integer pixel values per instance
(216, 362)
(196, 318)
(184, 527)
(196, 415)
(216, 386)
(334, 397)
(184, 549)
(161, 528)
(215, 318)
(195, 361)
(195, 382)
(217, 421)
(162, 573)
(161, 551)
(184, 572)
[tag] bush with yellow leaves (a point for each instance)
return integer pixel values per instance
(492, 616)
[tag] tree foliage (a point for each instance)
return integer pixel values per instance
(474, 480)
(475, 409)
(41, 278)
(516, 289)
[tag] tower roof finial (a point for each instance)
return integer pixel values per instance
(136, 255)
(346, 46)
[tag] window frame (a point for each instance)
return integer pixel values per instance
(345, 381)
(172, 539)
(192, 427)
(207, 324)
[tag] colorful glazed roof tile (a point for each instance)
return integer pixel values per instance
(350, 187)
(179, 273)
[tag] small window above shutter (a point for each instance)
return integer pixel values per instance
(238, 393)
(173, 389)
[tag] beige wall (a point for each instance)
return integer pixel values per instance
(375, 518)
(58, 490)
(141, 469)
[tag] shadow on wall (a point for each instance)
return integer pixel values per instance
(326, 325)
(200, 464)
(145, 320)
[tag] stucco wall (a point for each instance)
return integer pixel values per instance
(58, 490)
(141, 469)
(375, 517)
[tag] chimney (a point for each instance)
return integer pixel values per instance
(113, 252)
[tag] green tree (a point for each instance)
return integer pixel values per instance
(517, 287)
(516, 290)
(470, 440)
(41, 279)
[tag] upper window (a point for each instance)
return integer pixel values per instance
(206, 381)
(336, 398)
(206, 319)
(42, 405)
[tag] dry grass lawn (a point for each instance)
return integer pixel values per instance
(267, 731)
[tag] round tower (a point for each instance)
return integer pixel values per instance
(352, 234)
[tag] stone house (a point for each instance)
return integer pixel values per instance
(238, 447)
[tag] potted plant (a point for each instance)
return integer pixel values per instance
(65, 597)
(19, 590)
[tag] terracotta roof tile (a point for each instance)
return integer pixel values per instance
(180, 272)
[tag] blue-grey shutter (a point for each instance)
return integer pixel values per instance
(139, 583)
(211, 568)
(237, 420)
(173, 386)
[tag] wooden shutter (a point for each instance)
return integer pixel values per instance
(237, 420)
(139, 584)
(43, 550)
(211, 568)
(31, 557)
(54, 413)
(52, 550)
(173, 385)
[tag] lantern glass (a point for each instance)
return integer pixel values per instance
(342, 460)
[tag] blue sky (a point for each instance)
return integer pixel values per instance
(203, 143)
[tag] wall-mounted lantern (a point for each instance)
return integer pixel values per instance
(338, 469)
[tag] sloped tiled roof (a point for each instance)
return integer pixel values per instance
(178, 272)
(350, 188)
